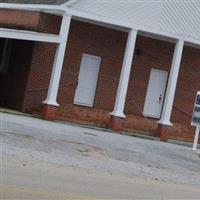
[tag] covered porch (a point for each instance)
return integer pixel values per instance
(121, 101)
(21, 32)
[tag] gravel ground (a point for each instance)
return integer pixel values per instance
(34, 139)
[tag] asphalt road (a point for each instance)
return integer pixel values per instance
(23, 179)
(48, 160)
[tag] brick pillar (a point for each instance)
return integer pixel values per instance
(116, 123)
(163, 132)
(49, 112)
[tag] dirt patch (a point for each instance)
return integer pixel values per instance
(93, 151)
(19, 135)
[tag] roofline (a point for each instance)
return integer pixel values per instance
(61, 9)
(37, 7)
(68, 3)
(33, 7)
(128, 25)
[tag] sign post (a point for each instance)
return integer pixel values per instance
(196, 138)
(196, 120)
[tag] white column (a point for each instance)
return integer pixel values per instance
(58, 63)
(125, 74)
(172, 82)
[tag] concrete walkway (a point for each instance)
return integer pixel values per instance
(27, 137)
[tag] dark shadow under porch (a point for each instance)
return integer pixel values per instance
(15, 59)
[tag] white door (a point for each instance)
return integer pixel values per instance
(87, 80)
(155, 93)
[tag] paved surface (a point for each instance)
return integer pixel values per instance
(169, 168)
(39, 180)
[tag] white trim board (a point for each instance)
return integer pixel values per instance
(33, 7)
(28, 35)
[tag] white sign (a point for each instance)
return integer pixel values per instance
(196, 112)
(196, 120)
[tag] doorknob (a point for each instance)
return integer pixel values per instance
(160, 98)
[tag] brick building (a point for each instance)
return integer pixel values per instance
(132, 66)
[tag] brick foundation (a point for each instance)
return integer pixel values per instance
(163, 132)
(49, 112)
(116, 123)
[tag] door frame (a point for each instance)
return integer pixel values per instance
(99, 59)
(151, 115)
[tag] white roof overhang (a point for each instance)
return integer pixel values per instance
(166, 19)
(29, 35)
(162, 19)
(56, 9)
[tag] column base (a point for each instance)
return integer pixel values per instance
(162, 132)
(116, 123)
(49, 112)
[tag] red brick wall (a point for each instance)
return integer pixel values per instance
(30, 20)
(49, 23)
(41, 64)
(110, 45)
(106, 43)
(19, 19)
(39, 75)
